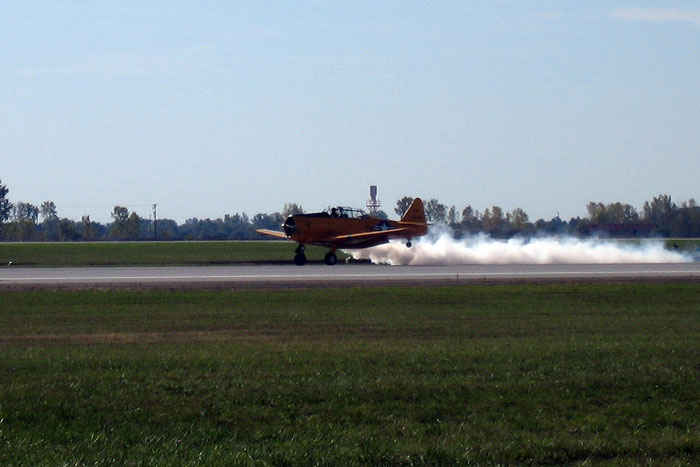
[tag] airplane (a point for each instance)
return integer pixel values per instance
(343, 227)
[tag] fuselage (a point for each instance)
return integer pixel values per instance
(324, 230)
(348, 228)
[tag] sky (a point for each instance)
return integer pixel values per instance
(211, 108)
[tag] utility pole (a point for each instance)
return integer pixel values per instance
(155, 223)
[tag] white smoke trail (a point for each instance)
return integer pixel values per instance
(443, 250)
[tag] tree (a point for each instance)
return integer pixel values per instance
(686, 220)
(629, 214)
(267, 221)
(493, 221)
(470, 220)
(518, 219)
(596, 213)
(452, 216)
(238, 225)
(133, 226)
(25, 216)
(120, 214)
(48, 211)
(118, 231)
(469, 215)
(660, 212)
(68, 230)
(402, 205)
(291, 209)
(5, 205)
(435, 211)
(88, 231)
(619, 213)
(557, 226)
(26, 212)
(49, 222)
(168, 229)
(613, 213)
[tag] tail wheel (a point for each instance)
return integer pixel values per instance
(300, 259)
(330, 258)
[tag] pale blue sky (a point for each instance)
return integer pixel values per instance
(209, 108)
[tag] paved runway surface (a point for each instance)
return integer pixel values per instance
(320, 275)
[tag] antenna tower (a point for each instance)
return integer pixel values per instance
(373, 204)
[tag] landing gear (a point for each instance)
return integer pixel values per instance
(330, 258)
(408, 244)
(299, 257)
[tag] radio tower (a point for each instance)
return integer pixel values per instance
(372, 203)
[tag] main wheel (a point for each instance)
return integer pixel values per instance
(408, 244)
(300, 259)
(330, 258)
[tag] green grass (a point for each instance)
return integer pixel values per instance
(152, 253)
(683, 244)
(526, 374)
(182, 253)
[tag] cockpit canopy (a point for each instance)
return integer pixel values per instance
(338, 212)
(342, 211)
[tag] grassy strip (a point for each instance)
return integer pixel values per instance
(182, 253)
(690, 245)
(396, 376)
(151, 253)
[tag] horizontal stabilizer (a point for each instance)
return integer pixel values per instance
(272, 233)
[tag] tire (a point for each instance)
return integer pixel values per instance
(330, 258)
(300, 259)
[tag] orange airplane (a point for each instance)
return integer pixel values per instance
(348, 228)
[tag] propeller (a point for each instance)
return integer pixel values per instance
(289, 226)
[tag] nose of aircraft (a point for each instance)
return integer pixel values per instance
(289, 226)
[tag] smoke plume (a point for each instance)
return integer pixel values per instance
(443, 250)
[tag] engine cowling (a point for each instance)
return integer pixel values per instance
(290, 226)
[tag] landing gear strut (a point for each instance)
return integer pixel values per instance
(299, 257)
(330, 258)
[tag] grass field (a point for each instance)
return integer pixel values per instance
(512, 374)
(152, 253)
(182, 253)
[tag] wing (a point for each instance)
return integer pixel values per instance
(272, 233)
(368, 235)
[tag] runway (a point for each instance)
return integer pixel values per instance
(243, 276)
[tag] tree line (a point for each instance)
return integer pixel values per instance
(659, 217)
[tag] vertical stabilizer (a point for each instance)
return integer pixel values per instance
(415, 212)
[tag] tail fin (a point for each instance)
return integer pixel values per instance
(415, 212)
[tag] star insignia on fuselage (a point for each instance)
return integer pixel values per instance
(383, 225)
